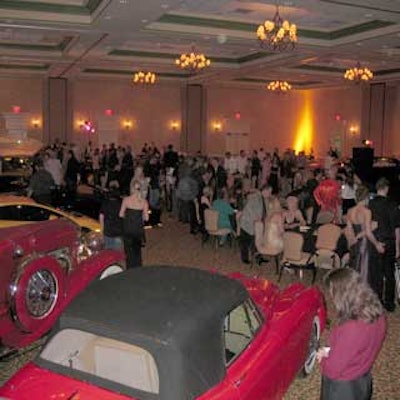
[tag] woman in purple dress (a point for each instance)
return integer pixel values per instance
(354, 343)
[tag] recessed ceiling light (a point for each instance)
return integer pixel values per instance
(164, 6)
(145, 21)
(369, 15)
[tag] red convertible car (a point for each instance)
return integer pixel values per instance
(171, 333)
(43, 267)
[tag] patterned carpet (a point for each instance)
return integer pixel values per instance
(172, 244)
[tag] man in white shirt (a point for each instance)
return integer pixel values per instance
(242, 162)
(53, 165)
(230, 164)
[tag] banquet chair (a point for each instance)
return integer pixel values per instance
(324, 217)
(211, 226)
(294, 257)
(263, 251)
(327, 239)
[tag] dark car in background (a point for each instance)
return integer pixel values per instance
(16, 161)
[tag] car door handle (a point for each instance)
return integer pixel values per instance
(239, 381)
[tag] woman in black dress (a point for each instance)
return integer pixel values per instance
(134, 212)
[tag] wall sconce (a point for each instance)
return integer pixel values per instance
(80, 123)
(353, 130)
(174, 125)
(127, 124)
(35, 123)
(217, 126)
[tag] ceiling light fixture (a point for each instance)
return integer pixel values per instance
(358, 74)
(277, 34)
(192, 61)
(279, 86)
(146, 78)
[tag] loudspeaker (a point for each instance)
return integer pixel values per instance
(363, 159)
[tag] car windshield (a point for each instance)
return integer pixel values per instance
(101, 357)
(240, 327)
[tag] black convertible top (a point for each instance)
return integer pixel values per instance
(175, 313)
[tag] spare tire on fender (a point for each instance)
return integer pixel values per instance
(38, 294)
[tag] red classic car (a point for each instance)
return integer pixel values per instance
(43, 267)
(173, 333)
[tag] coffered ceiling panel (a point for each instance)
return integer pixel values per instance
(111, 39)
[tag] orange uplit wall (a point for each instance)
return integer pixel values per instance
(302, 119)
(303, 140)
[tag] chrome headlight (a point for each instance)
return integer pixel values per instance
(93, 241)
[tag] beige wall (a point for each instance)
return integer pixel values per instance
(26, 93)
(392, 124)
(271, 120)
(280, 120)
(150, 109)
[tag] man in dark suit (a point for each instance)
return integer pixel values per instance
(381, 269)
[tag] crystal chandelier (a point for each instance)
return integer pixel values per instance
(147, 78)
(358, 74)
(277, 34)
(279, 86)
(192, 61)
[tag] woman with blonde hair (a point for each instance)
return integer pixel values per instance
(134, 212)
(293, 217)
(354, 343)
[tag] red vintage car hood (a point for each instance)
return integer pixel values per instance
(34, 383)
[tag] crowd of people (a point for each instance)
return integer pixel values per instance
(283, 191)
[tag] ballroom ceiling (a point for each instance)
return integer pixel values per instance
(111, 39)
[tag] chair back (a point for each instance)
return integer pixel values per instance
(325, 217)
(258, 234)
(328, 236)
(211, 220)
(292, 246)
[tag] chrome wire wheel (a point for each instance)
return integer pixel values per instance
(41, 293)
(313, 346)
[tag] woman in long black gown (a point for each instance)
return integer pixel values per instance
(360, 234)
(134, 211)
